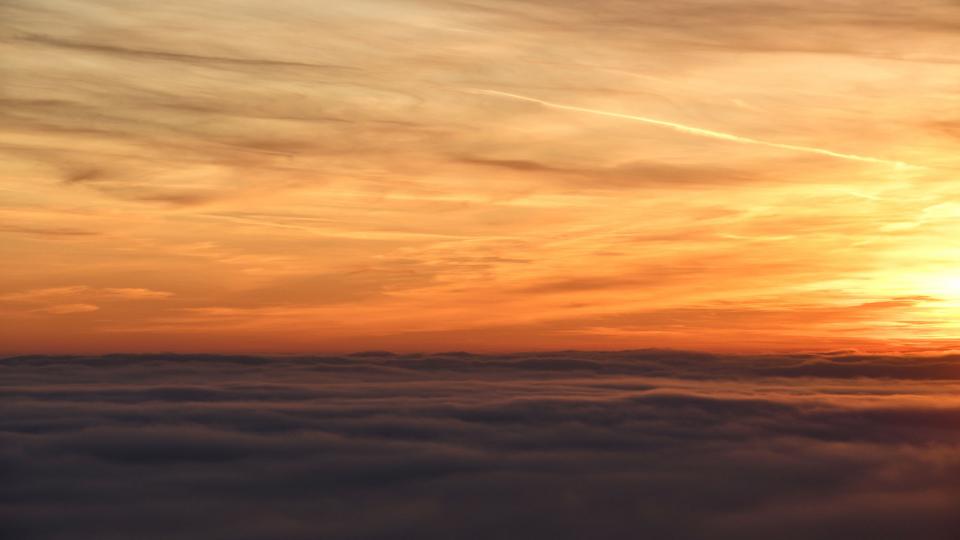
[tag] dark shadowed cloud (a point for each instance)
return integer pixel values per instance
(659, 444)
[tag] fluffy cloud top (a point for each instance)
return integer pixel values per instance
(571, 445)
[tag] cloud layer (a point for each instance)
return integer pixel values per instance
(562, 445)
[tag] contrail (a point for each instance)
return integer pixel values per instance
(700, 132)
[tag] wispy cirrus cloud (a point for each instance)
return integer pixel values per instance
(73, 299)
(696, 131)
(68, 309)
(331, 156)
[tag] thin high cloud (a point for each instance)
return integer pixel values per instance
(318, 166)
(174, 57)
(121, 293)
(696, 131)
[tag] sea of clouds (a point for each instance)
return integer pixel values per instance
(636, 444)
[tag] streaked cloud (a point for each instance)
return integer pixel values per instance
(310, 175)
(696, 131)
(67, 309)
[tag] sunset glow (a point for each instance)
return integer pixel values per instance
(427, 175)
(480, 269)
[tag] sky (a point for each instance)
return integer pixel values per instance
(294, 176)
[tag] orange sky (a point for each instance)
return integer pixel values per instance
(303, 176)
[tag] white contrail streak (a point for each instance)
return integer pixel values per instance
(700, 132)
